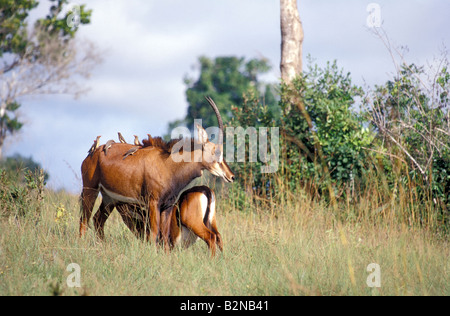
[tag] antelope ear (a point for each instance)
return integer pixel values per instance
(202, 135)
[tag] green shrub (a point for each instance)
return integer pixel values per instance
(322, 137)
(21, 192)
(411, 116)
(394, 152)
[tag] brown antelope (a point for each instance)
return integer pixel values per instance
(151, 178)
(192, 217)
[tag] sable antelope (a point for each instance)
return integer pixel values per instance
(192, 217)
(152, 178)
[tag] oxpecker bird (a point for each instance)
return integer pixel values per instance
(108, 145)
(94, 145)
(136, 141)
(148, 142)
(131, 152)
(121, 139)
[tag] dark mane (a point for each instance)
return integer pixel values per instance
(155, 142)
(164, 145)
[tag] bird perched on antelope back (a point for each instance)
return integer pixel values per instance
(148, 142)
(131, 152)
(121, 139)
(94, 145)
(108, 145)
(136, 141)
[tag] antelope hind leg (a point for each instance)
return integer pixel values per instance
(101, 217)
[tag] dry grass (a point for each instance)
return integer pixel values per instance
(291, 248)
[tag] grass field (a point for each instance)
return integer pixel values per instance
(292, 248)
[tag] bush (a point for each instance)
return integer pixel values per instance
(21, 189)
(321, 135)
(395, 152)
(411, 116)
(16, 164)
(318, 112)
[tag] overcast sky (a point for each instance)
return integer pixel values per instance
(149, 47)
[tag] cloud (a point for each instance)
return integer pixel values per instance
(149, 46)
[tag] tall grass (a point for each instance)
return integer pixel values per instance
(284, 244)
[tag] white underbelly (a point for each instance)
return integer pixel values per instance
(115, 198)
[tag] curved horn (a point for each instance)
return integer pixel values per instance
(216, 110)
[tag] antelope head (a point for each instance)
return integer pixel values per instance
(212, 154)
(212, 157)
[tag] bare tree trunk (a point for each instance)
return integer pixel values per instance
(291, 67)
(291, 40)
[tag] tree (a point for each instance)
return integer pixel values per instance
(226, 80)
(44, 60)
(332, 148)
(291, 40)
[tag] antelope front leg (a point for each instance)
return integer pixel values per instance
(135, 224)
(166, 223)
(154, 220)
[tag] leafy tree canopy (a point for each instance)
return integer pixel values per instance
(44, 47)
(226, 80)
(14, 37)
